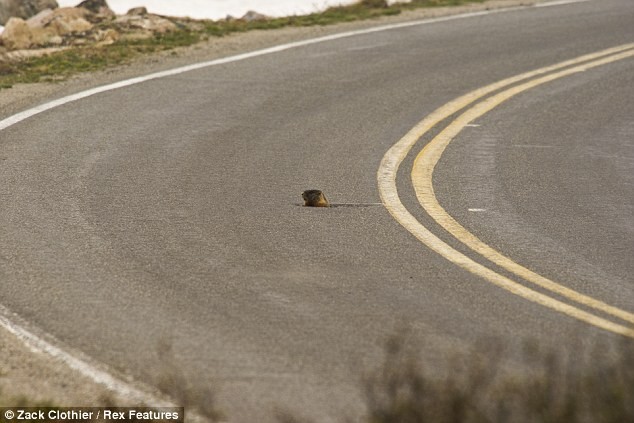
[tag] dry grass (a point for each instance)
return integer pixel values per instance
(491, 384)
(174, 384)
(486, 386)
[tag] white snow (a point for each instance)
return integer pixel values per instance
(1, 29)
(217, 9)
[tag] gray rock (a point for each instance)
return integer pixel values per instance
(41, 19)
(251, 16)
(23, 8)
(149, 22)
(94, 5)
(137, 11)
(99, 8)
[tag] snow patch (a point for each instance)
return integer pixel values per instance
(219, 9)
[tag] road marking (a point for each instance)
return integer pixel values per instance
(12, 120)
(532, 146)
(477, 210)
(560, 3)
(428, 158)
(370, 47)
(71, 359)
(82, 365)
(422, 179)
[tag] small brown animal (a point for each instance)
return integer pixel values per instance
(314, 198)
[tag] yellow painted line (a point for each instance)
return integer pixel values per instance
(386, 178)
(428, 158)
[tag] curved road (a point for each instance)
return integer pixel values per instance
(168, 211)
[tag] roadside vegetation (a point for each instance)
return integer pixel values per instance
(578, 386)
(486, 385)
(492, 383)
(90, 57)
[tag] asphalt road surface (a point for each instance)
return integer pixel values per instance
(168, 212)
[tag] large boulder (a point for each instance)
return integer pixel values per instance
(16, 34)
(23, 8)
(96, 6)
(99, 10)
(148, 22)
(41, 19)
(48, 27)
(19, 35)
(68, 20)
(137, 11)
(253, 16)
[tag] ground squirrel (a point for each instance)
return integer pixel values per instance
(314, 198)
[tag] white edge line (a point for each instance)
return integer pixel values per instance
(91, 371)
(559, 3)
(12, 120)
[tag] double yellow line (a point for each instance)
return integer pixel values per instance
(422, 174)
